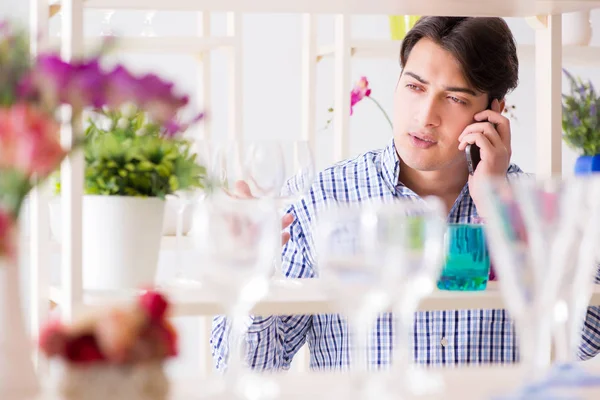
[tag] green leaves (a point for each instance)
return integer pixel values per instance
(132, 158)
(581, 116)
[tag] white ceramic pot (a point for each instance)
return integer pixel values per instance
(101, 381)
(169, 222)
(18, 380)
(121, 240)
(576, 28)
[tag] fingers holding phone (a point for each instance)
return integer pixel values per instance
(488, 141)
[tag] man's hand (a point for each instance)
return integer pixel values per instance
(492, 135)
(243, 190)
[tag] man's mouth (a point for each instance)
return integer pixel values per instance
(421, 141)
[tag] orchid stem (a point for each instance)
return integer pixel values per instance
(382, 110)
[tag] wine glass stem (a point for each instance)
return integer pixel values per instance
(359, 324)
(236, 354)
(401, 358)
(535, 340)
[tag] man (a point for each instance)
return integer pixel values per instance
(455, 75)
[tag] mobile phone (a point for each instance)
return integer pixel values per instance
(472, 151)
(473, 157)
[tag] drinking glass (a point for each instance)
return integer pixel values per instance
(148, 30)
(576, 286)
(413, 244)
(234, 238)
(467, 266)
(276, 170)
(201, 149)
(107, 28)
(530, 224)
(377, 255)
(282, 171)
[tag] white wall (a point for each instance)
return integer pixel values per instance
(272, 88)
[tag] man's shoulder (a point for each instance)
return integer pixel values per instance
(350, 166)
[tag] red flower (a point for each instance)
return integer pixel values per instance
(53, 339)
(29, 141)
(83, 349)
(153, 304)
(170, 336)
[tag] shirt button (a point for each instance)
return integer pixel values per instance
(444, 342)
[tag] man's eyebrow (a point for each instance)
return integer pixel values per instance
(447, 88)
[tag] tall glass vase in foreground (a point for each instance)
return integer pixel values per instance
(530, 224)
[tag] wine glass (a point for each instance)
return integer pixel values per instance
(283, 171)
(235, 242)
(191, 198)
(148, 30)
(276, 170)
(107, 28)
(413, 241)
(530, 225)
(577, 286)
(374, 255)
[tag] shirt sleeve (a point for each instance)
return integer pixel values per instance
(272, 341)
(590, 343)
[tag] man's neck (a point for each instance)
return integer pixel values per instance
(445, 184)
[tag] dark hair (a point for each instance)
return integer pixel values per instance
(484, 47)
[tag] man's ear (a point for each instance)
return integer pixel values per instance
(502, 105)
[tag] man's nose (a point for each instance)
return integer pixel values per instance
(428, 114)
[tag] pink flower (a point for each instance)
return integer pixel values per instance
(29, 141)
(360, 91)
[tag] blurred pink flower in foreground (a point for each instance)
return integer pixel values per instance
(29, 141)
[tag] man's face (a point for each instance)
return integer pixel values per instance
(433, 104)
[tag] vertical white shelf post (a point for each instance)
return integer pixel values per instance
(204, 92)
(548, 70)
(309, 78)
(341, 111)
(39, 250)
(72, 172)
(235, 98)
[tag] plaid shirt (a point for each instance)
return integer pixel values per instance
(439, 337)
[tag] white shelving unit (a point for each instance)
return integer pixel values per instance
(548, 53)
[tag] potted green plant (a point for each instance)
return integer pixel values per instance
(581, 123)
(132, 165)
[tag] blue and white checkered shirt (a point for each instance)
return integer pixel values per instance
(439, 337)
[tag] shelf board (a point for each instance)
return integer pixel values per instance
(506, 8)
(293, 297)
(156, 44)
(168, 243)
(573, 56)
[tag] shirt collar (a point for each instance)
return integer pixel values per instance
(390, 165)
